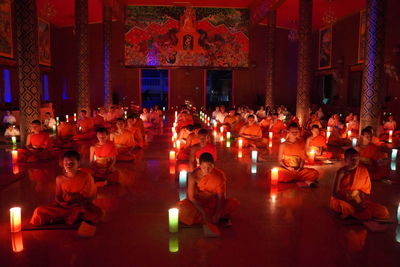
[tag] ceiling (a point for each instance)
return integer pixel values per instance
(287, 12)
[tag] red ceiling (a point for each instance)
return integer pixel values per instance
(286, 13)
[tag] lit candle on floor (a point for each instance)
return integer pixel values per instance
(58, 120)
(390, 136)
(329, 129)
(14, 156)
(221, 129)
(394, 153)
(240, 154)
(349, 133)
(274, 176)
(15, 219)
(17, 242)
(173, 215)
(14, 140)
(273, 193)
(221, 138)
(173, 243)
(66, 118)
(172, 155)
(74, 116)
(215, 123)
(163, 108)
(270, 135)
(54, 129)
(126, 114)
(311, 156)
(182, 178)
(240, 143)
(254, 155)
(270, 143)
(354, 142)
(253, 168)
(228, 136)
(178, 145)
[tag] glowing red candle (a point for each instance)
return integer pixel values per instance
(274, 176)
(240, 143)
(271, 135)
(15, 219)
(311, 156)
(178, 145)
(172, 155)
(390, 136)
(240, 154)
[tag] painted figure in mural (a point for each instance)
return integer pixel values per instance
(187, 42)
(188, 20)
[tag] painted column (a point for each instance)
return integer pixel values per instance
(373, 74)
(107, 37)
(304, 61)
(28, 64)
(81, 30)
(270, 58)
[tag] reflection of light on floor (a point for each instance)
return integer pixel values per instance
(228, 143)
(273, 193)
(17, 242)
(173, 243)
(182, 193)
(253, 168)
(393, 165)
(398, 234)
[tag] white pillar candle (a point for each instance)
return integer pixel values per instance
(394, 153)
(254, 155)
(182, 178)
(354, 142)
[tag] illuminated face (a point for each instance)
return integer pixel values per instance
(144, 110)
(203, 138)
(295, 132)
(120, 125)
(250, 120)
(206, 167)
(35, 128)
(367, 137)
(352, 161)
(71, 164)
(102, 137)
(315, 131)
(232, 113)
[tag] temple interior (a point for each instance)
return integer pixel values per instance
(199, 133)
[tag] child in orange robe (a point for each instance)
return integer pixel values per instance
(351, 183)
(124, 141)
(65, 133)
(252, 133)
(317, 142)
(133, 125)
(371, 157)
(85, 127)
(206, 201)
(103, 157)
(75, 192)
(38, 145)
(202, 147)
(291, 156)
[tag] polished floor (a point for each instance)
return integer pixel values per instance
(295, 229)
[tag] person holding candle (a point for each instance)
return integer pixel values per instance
(220, 117)
(85, 126)
(372, 157)
(390, 125)
(65, 133)
(184, 119)
(206, 201)
(49, 122)
(191, 140)
(291, 156)
(352, 183)
(124, 141)
(317, 142)
(103, 157)
(233, 122)
(38, 145)
(204, 146)
(277, 127)
(75, 192)
(252, 134)
(98, 119)
(354, 125)
(11, 130)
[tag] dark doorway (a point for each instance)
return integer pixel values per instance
(154, 88)
(219, 88)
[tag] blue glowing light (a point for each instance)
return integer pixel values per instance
(7, 86)
(46, 87)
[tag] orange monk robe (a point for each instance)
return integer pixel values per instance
(230, 121)
(369, 156)
(137, 135)
(86, 129)
(208, 148)
(101, 166)
(65, 133)
(264, 124)
(72, 190)
(39, 148)
(277, 128)
(98, 121)
(254, 131)
(183, 123)
(318, 144)
(357, 180)
(206, 194)
(192, 140)
(125, 144)
(292, 155)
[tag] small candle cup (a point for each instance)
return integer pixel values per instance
(274, 176)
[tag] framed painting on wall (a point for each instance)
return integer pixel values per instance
(325, 48)
(6, 39)
(362, 36)
(44, 42)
